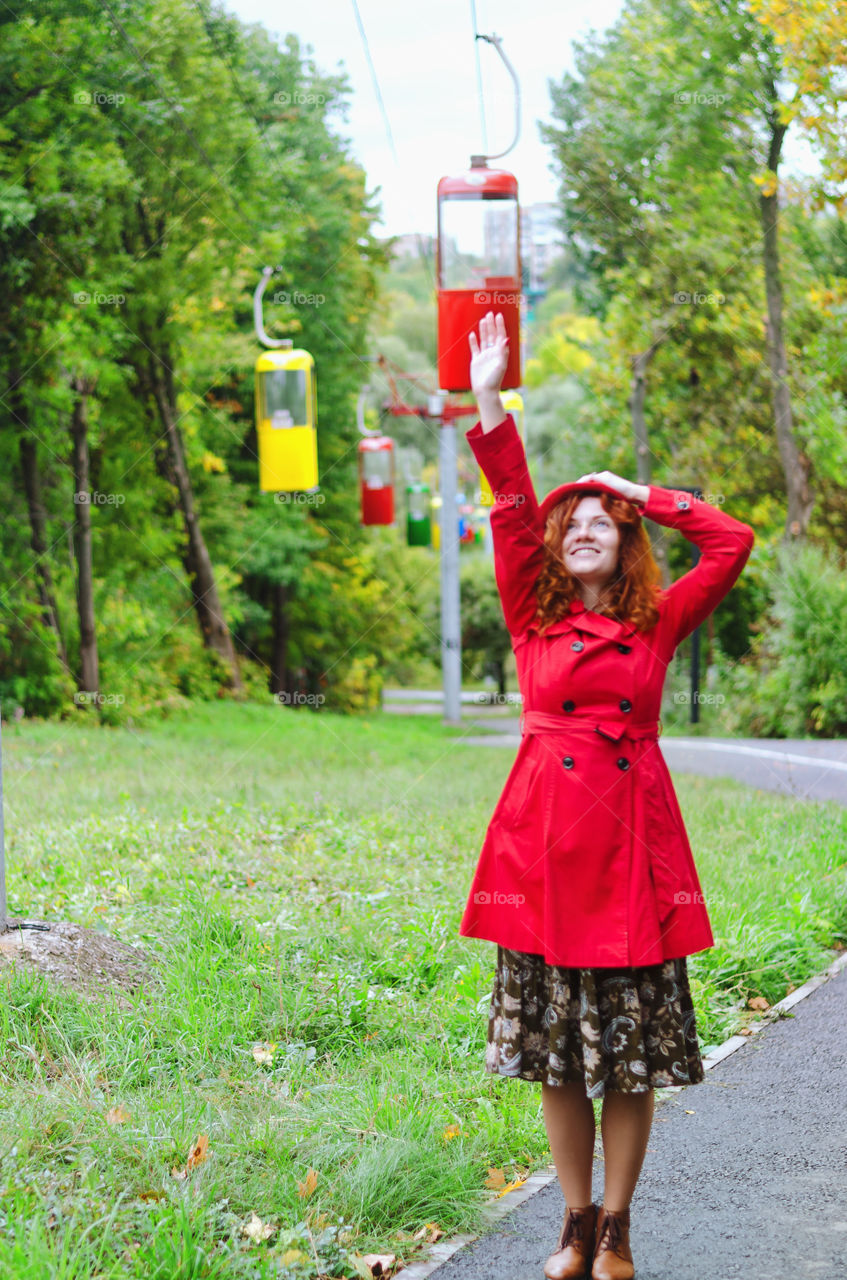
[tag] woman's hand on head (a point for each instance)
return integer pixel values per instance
(626, 488)
(489, 354)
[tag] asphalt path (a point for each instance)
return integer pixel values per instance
(745, 1174)
(808, 768)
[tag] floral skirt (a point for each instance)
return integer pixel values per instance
(628, 1029)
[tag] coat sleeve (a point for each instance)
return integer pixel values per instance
(725, 545)
(515, 522)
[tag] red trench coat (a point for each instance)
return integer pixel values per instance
(586, 860)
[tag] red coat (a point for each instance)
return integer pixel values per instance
(586, 860)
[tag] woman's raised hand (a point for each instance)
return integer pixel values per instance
(626, 488)
(489, 355)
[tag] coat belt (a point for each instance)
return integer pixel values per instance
(614, 730)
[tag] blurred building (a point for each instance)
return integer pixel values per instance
(541, 244)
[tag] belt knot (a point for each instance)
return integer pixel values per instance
(613, 729)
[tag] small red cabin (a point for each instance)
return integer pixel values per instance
(479, 268)
(376, 479)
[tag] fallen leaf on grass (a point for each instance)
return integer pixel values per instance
(307, 1186)
(117, 1115)
(758, 1002)
(198, 1153)
(746, 1031)
(510, 1186)
(431, 1232)
(256, 1230)
(452, 1131)
(292, 1256)
(264, 1054)
(378, 1264)
(496, 1178)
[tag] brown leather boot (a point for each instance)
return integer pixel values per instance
(576, 1246)
(612, 1254)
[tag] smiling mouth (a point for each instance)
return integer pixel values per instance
(577, 550)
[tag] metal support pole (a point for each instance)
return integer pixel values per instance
(451, 631)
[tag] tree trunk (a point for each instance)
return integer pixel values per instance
(37, 519)
(643, 456)
(216, 633)
(89, 676)
(279, 650)
(795, 465)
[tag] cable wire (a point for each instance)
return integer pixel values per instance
(375, 80)
(480, 94)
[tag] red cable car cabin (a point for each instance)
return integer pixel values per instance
(376, 479)
(479, 268)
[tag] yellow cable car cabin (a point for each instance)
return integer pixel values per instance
(286, 421)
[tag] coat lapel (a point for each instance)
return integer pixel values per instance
(580, 619)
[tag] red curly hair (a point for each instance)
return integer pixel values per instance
(633, 592)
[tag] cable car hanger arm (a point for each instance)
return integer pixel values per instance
(258, 321)
(497, 42)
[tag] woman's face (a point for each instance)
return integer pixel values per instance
(591, 543)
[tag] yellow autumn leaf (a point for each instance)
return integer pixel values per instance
(307, 1186)
(496, 1178)
(117, 1115)
(510, 1186)
(264, 1054)
(293, 1255)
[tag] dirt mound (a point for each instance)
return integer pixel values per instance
(81, 958)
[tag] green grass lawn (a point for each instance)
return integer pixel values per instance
(299, 879)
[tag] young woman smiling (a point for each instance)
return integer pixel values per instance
(586, 881)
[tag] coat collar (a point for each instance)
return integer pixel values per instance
(578, 618)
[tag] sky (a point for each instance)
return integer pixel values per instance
(424, 57)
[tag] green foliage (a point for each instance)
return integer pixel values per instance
(33, 682)
(794, 683)
(486, 643)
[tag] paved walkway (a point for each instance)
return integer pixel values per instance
(808, 768)
(745, 1174)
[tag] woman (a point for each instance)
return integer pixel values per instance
(586, 880)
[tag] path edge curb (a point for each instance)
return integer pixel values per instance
(504, 1205)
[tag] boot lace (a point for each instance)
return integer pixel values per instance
(574, 1228)
(613, 1234)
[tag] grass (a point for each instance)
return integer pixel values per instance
(299, 879)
